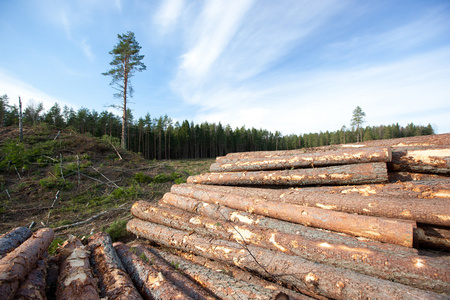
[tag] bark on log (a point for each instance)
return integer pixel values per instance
(392, 231)
(187, 285)
(335, 175)
(434, 238)
(302, 160)
(76, 280)
(374, 263)
(19, 262)
(34, 285)
(12, 239)
(317, 278)
(151, 284)
(240, 274)
(245, 218)
(410, 176)
(425, 140)
(424, 159)
(114, 280)
(222, 284)
(422, 201)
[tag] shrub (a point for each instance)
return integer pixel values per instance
(161, 178)
(117, 230)
(142, 178)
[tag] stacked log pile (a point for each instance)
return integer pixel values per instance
(342, 222)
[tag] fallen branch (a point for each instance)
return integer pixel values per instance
(89, 219)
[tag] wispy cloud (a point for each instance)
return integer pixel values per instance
(14, 88)
(231, 68)
(167, 15)
(216, 26)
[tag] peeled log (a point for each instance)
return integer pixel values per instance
(424, 159)
(19, 262)
(389, 266)
(328, 281)
(151, 283)
(220, 283)
(114, 280)
(392, 231)
(190, 288)
(34, 285)
(302, 160)
(335, 175)
(12, 239)
(75, 280)
(422, 201)
(240, 274)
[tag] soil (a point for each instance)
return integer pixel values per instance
(96, 182)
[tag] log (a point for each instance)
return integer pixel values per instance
(422, 201)
(421, 159)
(187, 285)
(328, 281)
(304, 160)
(399, 232)
(411, 176)
(34, 285)
(19, 262)
(240, 274)
(424, 140)
(434, 238)
(389, 266)
(220, 283)
(335, 175)
(12, 239)
(76, 280)
(151, 284)
(114, 280)
(245, 218)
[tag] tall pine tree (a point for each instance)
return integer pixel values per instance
(126, 60)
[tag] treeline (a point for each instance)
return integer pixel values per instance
(161, 138)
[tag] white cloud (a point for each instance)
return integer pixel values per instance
(86, 48)
(212, 32)
(227, 70)
(168, 13)
(15, 88)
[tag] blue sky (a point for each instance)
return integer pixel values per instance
(293, 66)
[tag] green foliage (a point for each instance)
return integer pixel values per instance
(56, 183)
(128, 193)
(54, 245)
(161, 178)
(142, 178)
(180, 180)
(117, 230)
(110, 140)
